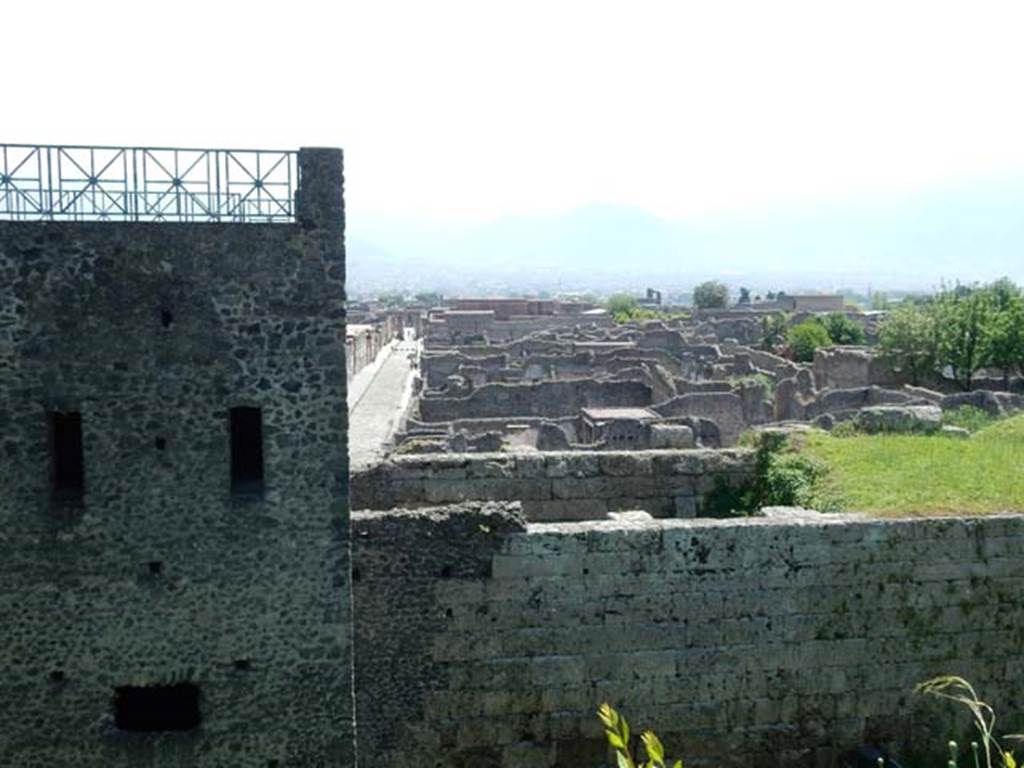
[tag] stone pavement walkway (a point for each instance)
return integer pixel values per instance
(378, 404)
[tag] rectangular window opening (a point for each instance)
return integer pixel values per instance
(68, 473)
(148, 708)
(246, 450)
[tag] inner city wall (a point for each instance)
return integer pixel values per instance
(772, 641)
(558, 485)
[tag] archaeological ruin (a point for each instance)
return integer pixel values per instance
(554, 522)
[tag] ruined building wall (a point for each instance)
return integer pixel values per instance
(726, 409)
(558, 485)
(152, 332)
(551, 399)
(740, 642)
(847, 367)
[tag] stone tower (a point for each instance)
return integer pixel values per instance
(174, 553)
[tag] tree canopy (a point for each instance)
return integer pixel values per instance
(806, 337)
(962, 329)
(710, 294)
(842, 330)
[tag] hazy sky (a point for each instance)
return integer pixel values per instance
(464, 111)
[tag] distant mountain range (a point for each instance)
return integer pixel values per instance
(966, 232)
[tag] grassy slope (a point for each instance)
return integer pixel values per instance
(907, 475)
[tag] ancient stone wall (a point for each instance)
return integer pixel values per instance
(437, 367)
(848, 367)
(727, 409)
(457, 327)
(558, 485)
(160, 571)
(551, 399)
(757, 641)
(776, 366)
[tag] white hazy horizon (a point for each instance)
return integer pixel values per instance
(453, 114)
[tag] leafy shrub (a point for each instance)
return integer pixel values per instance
(782, 478)
(789, 480)
(842, 330)
(805, 338)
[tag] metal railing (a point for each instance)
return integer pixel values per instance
(75, 183)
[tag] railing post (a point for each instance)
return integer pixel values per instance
(319, 198)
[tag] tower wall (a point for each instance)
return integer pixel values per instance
(162, 573)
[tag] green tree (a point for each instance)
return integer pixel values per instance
(1005, 338)
(621, 303)
(963, 320)
(710, 295)
(908, 340)
(805, 338)
(842, 330)
(744, 296)
(879, 300)
(623, 307)
(773, 330)
(1003, 293)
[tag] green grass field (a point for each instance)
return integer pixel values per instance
(923, 475)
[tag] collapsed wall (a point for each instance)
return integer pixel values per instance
(559, 485)
(481, 640)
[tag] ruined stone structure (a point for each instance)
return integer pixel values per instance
(173, 490)
(773, 641)
(483, 320)
(559, 485)
(364, 342)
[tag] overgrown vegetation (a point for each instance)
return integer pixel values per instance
(890, 474)
(782, 477)
(967, 417)
(806, 337)
(964, 329)
(803, 339)
(842, 330)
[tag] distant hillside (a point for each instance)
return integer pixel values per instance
(962, 232)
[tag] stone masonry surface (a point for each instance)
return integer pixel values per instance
(557, 485)
(485, 641)
(153, 332)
